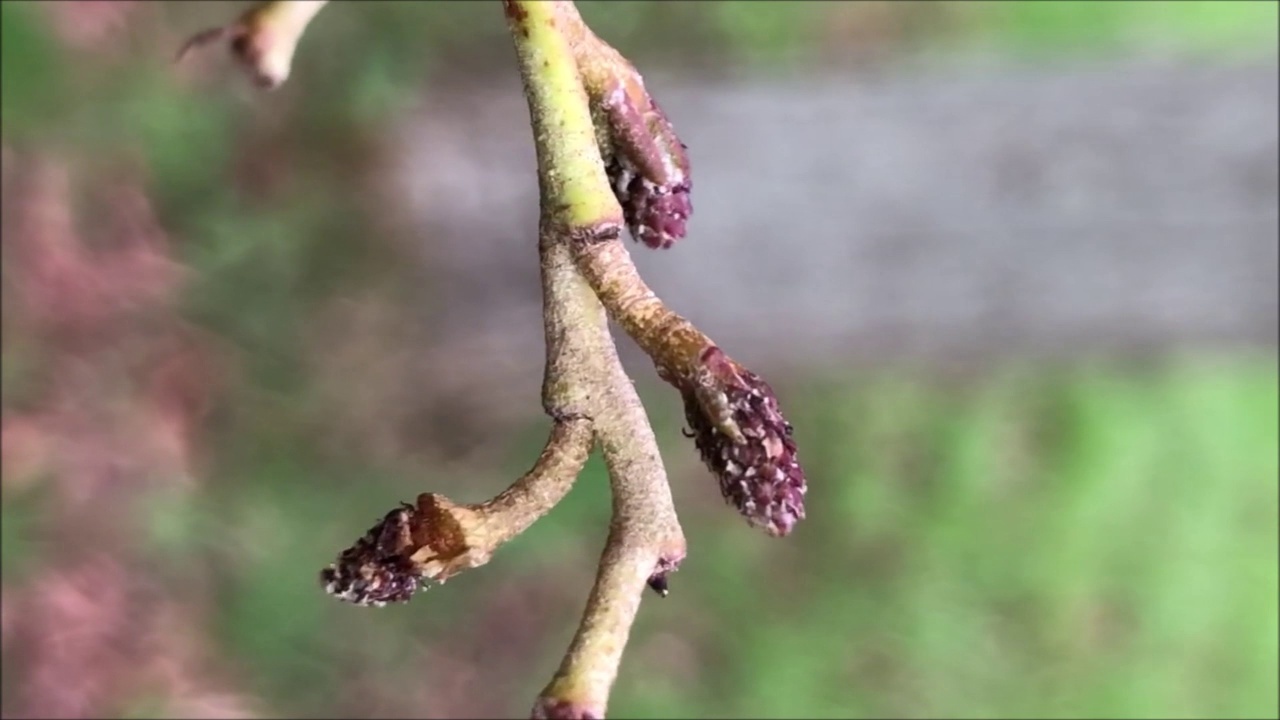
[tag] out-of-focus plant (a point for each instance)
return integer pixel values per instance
(608, 158)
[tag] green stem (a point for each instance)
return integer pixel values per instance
(570, 174)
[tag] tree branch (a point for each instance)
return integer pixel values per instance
(608, 157)
(578, 206)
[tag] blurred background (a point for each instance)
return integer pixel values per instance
(1011, 266)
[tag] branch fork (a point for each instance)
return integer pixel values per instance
(608, 158)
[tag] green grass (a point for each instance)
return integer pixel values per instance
(1188, 26)
(1086, 543)
(770, 35)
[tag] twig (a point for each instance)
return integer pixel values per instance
(435, 539)
(263, 39)
(578, 206)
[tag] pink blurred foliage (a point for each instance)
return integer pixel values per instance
(72, 293)
(119, 388)
(91, 24)
(97, 639)
(75, 620)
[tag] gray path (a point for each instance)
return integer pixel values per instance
(946, 214)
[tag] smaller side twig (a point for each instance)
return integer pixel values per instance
(737, 425)
(672, 342)
(434, 539)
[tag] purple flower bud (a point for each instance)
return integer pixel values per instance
(656, 215)
(758, 472)
(378, 568)
(649, 170)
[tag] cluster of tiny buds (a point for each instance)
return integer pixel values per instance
(656, 215)
(758, 471)
(378, 569)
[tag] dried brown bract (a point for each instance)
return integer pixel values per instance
(410, 546)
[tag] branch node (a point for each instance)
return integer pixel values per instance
(595, 234)
(666, 565)
(554, 709)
